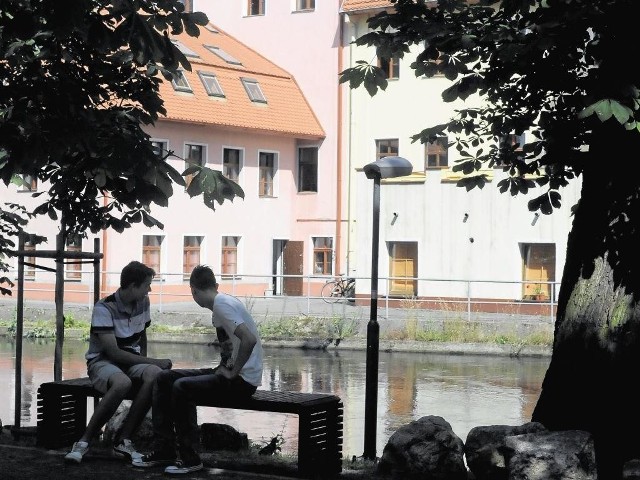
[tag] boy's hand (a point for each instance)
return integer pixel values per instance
(164, 363)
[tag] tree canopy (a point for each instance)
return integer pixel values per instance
(556, 70)
(79, 83)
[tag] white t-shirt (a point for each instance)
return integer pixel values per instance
(228, 313)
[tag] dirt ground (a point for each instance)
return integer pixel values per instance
(21, 459)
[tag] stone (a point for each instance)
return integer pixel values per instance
(426, 448)
(484, 445)
(142, 437)
(218, 436)
(561, 455)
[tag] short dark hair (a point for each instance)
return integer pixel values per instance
(134, 273)
(202, 278)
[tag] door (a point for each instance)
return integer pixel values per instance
(403, 262)
(277, 284)
(539, 265)
(292, 265)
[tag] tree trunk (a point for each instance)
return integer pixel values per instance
(590, 383)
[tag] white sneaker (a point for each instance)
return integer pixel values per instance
(181, 468)
(127, 449)
(76, 453)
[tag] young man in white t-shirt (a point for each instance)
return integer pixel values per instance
(177, 392)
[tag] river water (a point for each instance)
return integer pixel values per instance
(467, 391)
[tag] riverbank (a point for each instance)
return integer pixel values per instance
(333, 327)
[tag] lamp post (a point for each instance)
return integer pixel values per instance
(387, 167)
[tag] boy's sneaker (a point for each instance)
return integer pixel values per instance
(154, 458)
(126, 449)
(76, 453)
(182, 467)
(187, 464)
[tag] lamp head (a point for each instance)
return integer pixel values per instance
(388, 167)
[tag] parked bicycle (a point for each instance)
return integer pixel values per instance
(339, 288)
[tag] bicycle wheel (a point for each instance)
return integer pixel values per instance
(331, 292)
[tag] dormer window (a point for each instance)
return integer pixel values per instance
(180, 82)
(184, 49)
(211, 84)
(253, 90)
(223, 55)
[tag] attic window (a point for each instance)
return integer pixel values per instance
(211, 28)
(223, 55)
(211, 84)
(180, 82)
(186, 51)
(253, 90)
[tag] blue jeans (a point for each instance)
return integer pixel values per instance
(175, 396)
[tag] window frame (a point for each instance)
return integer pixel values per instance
(253, 89)
(187, 252)
(150, 250)
(240, 164)
(262, 183)
(259, 4)
(211, 84)
(310, 5)
(180, 83)
(73, 267)
(223, 55)
(325, 251)
(390, 67)
(439, 148)
(304, 167)
(226, 251)
(389, 143)
(188, 163)
(29, 183)
(29, 272)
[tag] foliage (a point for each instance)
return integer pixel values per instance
(79, 84)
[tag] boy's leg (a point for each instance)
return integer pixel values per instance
(145, 375)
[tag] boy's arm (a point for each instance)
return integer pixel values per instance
(247, 341)
(115, 354)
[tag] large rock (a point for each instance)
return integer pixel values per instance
(426, 448)
(562, 455)
(484, 448)
(142, 438)
(218, 436)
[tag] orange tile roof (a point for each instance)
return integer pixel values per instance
(286, 112)
(359, 5)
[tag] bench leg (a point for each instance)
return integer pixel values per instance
(320, 442)
(62, 418)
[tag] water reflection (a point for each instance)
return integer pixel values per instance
(466, 391)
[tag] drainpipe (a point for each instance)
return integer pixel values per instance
(339, 156)
(105, 237)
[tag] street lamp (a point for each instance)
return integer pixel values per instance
(387, 167)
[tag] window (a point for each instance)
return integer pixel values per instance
(190, 255)
(151, 252)
(184, 49)
(180, 82)
(390, 67)
(211, 28)
(403, 269)
(323, 255)
(305, 5)
(29, 270)
(266, 174)
(308, 169)
(229, 264)
(255, 7)
(386, 148)
(211, 84)
(253, 90)
(436, 153)
(510, 147)
(160, 147)
(231, 163)
(28, 184)
(73, 267)
(223, 55)
(538, 269)
(194, 155)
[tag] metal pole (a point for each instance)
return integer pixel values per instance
(373, 337)
(96, 271)
(19, 329)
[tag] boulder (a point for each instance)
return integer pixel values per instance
(484, 445)
(426, 448)
(218, 436)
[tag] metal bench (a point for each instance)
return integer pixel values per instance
(62, 419)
